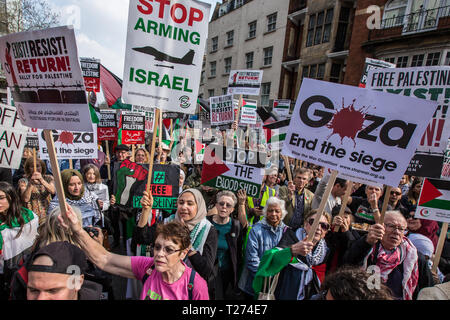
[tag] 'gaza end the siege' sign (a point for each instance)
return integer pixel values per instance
(164, 53)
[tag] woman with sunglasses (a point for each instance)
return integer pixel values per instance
(301, 263)
(228, 257)
(191, 211)
(164, 276)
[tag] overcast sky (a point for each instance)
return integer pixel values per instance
(100, 28)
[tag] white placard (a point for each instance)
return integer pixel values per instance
(164, 53)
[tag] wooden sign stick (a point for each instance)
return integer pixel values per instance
(34, 160)
(440, 246)
(152, 152)
(133, 148)
(48, 136)
(70, 164)
(347, 194)
(385, 204)
(108, 166)
(160, 126)
(288, 168)
(321, 208)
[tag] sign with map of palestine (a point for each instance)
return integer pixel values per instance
(166, 41)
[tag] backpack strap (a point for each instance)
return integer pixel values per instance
(146, 275)
(191, 284)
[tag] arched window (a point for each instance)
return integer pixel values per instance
(394, 12)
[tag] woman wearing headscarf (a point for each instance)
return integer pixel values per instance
(191, 211)
(78, 196)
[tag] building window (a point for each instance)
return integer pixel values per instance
(271, 22)
(212, 66)
(335, 73)
(447, 59)
(320, 71)
(252, 30)
(215, 44)
(249, 60)
(202, 77)
(433, 59)
(227, 65)
(265, 94)
(268, 53)
(394, 13)
(417, 60)
(211, 93)
(230, 38)
(328, 21)
(402, 62)
(390, 60)
(319, 28)
(224, 91)
(238, 3)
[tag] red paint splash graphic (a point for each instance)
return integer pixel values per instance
(347, 122)
(66, 137)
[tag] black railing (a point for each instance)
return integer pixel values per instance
(420, 21)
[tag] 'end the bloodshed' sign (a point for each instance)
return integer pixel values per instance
(233, 169)
(164, 53)
(133, 127)
(428, 83)
(12, 137)
(44, 75)
(368, 136)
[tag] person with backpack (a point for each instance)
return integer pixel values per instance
(165, 276)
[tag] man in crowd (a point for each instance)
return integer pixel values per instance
(298, 199)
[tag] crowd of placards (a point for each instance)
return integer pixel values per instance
(342, 199)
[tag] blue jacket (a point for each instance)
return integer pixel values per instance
(262, 237)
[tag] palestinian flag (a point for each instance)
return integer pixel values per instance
(112, 89)
(199, 151)
(166, 139)
(434, 200)
(276, 134)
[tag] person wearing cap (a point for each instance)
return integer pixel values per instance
(56, 272)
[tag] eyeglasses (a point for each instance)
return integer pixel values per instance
(396, 193)
(168, 251)
(325, 226)
(394, 227)
(411, 217)
(225, 204)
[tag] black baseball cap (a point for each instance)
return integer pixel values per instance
(121, 147)
(63, 255)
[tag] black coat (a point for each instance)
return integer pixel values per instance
(360, 249)
(234, 240)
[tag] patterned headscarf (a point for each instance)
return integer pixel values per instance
(66, 175)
